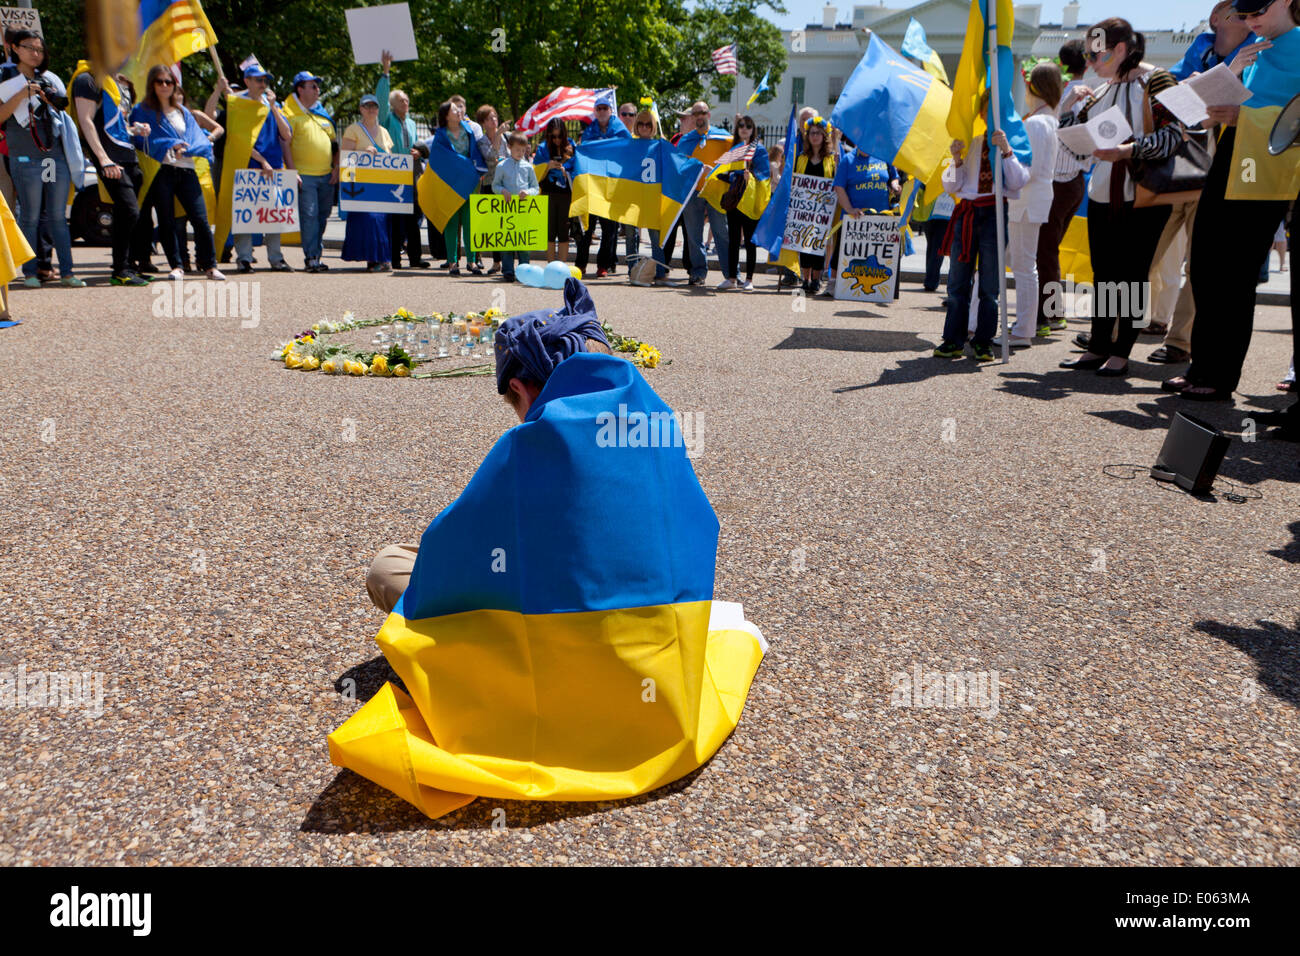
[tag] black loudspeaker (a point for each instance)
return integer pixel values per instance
(1191, 455)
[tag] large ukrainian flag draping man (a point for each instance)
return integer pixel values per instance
(558, 636)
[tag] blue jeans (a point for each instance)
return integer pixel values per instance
(43, 204)
(508, 262)
(315, 199)
(657, 251)
(693, 217)
(961, 278)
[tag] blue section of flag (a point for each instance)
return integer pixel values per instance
(880, 103)
(915, 42)
(641, 161)
(457, 172)
(770, 230)
(377, 192)
(1012, 124)
(590, 504)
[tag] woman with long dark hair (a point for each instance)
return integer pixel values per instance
(32, 98)
(743, 218)
(1122, 237)
(1231, 237)
(817, 158)
(175, 137)
(556, 151)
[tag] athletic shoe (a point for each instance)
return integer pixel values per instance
(243, 266)
(829, 291)
(726, 285)
(281, 266)
(601, 273)
(322, 267)
(1043, 331)
(983, 353)
(949, 350)
(1060, 325)
(129, 278)
(215, 275)
(176, 274)
(696, 280)
(32, 282)
(1016, 343)
(748, 286)
(72, 282)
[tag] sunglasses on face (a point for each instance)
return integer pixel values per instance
(744, 126)
(601, 106)
(627, 115)
(645, 123)
(164, 82)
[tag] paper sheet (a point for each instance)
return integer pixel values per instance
(1105, 131)
(375, 29)
(7, 89)
(1217, 87)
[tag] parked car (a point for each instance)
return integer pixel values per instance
(91, 219)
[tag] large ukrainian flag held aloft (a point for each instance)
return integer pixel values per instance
(447, 181)
(895, 112)
(641, 182)
(555, 647)
(965, 121)
(170, 30)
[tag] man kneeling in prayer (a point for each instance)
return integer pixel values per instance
(556, 627)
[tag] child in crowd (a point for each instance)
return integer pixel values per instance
(514, 177)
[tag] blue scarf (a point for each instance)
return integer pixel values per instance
(531, 345)
(163, 136)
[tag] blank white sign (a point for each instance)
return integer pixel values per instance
(376, 29)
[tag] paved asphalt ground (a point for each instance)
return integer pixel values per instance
(183, 516)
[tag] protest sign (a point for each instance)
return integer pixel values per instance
(812, 206)
(498, 224)
(870, 253)
(376, 182)
(376, 29)
(264, 203)
(20, 18)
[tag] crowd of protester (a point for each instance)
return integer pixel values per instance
(1204, 322)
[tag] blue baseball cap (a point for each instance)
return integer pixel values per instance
(255, 69)
(370, 98)
(304, 76)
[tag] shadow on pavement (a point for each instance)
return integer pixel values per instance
(1274, 647)
(854, 340)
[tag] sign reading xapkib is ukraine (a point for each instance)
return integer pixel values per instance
(376, 182)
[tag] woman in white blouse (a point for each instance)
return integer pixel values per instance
(1027, 214)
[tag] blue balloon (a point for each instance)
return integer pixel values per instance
(555, 274)
(530, 275)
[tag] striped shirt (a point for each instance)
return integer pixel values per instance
(1068, 164)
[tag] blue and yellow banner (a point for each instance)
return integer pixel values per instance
(1273, 80)
(758, 185)
(965, 120)
(170, 30)
(447, 181)
(770, 231)
(896, 112)
(558, 637)
(917, 45)
(641, 182)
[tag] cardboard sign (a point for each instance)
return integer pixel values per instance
(264, 204)
(869, 259)
(498, 224)
(376, 182)
(21, 18)
(812, 207)
(376, 29)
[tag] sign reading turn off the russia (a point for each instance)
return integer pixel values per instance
(498, 224)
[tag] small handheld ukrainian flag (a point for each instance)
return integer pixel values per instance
(762, 88)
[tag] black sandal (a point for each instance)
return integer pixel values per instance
(1175, 384)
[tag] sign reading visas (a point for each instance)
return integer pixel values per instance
(870, 253)
(812, 207)
(21, 18)
(498, 224)
(376, 182)
(265, 203)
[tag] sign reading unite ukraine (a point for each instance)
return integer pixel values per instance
(868, 260)
(376, 182)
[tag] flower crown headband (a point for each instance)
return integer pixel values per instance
(818, 121)
(1030, 65)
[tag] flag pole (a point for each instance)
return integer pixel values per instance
(995, 101)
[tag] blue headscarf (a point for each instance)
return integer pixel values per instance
(531, 345)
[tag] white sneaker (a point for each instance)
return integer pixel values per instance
(747, 287)
(829, 290)
(1016, 342)
(216, 276)
(176, 274)
(727, 284)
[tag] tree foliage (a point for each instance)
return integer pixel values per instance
(508, 53)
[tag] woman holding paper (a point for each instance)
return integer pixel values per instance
(1238, 216)
(367, 237)
(174, 139)
(1122, 237)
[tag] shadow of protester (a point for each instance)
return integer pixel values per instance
(353, 804)
(1049, 386)
(854, 340)
(1149, 415)
(1291, 552)
(1275, 649)
(916, 370)
(364, 680)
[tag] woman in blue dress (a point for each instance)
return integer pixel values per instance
(367, 239)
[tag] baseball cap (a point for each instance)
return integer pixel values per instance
(1250, 6)
(305, 76)
(370, 98)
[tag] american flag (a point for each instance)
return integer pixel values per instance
(742, 153)
(724, 58)
(563, 102)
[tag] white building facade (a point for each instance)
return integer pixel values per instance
(821, 57)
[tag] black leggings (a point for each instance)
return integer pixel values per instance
(557, 211)
(1122, 249)
(175, 183)
(737, 224)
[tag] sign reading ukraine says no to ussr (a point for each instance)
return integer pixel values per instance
(507, 225)
(264, 203)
